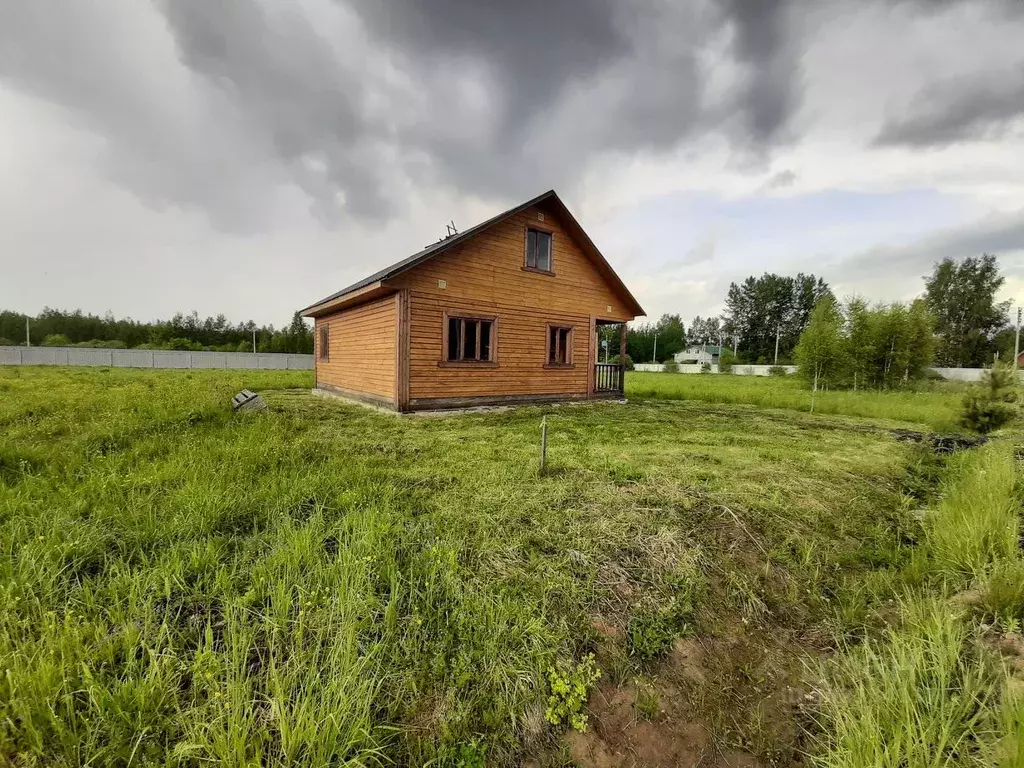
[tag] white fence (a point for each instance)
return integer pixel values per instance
(741, 370)
(151, 358)
(953, 374)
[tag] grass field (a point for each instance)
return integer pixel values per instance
(321, 584)
(937, 407)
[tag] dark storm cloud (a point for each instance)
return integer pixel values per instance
(561, 83)
(965, 108)
(534, 47)
(959, 111)
(763, 44)
(351, 101)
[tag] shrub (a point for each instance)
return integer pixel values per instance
(629, 361)
(184, 344)
(705, 368)
(570, 685)
(6, 342)
(56, 340)
(726, 361)
(671, 366)
(778, 370)
(993, 402)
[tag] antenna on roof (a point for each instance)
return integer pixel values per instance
(450, 231)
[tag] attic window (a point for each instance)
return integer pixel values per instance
(538, 250)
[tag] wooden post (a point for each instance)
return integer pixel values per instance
(543, 443)
(592, 355)
(622, 357)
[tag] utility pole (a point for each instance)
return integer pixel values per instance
(28, 340)
(254, 341)
(1016, 342)
(656, 346)
(778, 330)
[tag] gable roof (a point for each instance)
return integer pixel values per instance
(573, 227)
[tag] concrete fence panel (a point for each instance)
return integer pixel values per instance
(740, 369)
(152, 358)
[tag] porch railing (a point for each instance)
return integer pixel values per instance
(607, 377)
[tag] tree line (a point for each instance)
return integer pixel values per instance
(54, 327)
(957, 323)
(764, 319)
(766, 316)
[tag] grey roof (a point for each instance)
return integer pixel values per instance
(443, 245)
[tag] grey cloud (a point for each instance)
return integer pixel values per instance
(355, 101)
(884, 270)
(771, 91)
(297, 91)
(959, 111)
(971, 107)
(780, 180)
(162, 137)
(267, 95)
(703, 250)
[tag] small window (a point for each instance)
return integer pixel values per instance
(559, 345)
(325, 342)
(538, 250)
(469, 340)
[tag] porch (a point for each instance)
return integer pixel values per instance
(608, 378)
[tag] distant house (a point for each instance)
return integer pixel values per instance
(507, 311)
(699, 354)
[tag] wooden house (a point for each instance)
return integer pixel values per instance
(507, 311)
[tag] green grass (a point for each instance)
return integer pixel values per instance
(976, 521)
(936, 407)
(323, 584)
(920, 697)
(931, 692)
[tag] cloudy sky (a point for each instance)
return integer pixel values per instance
(251, 156)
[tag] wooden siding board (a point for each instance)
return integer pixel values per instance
(363, 344)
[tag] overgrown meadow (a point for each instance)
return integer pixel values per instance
(935, 405)
(322, 584)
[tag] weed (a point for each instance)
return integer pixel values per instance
(929, 692)
(976, 520)
(920, 696)
(1001, 593)
(652, 629)
(570, 686)
(647, 703)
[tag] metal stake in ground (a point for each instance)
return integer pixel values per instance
(543, 443)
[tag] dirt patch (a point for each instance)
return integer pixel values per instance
(732, 700)
(1010, 645)
(941, 444)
